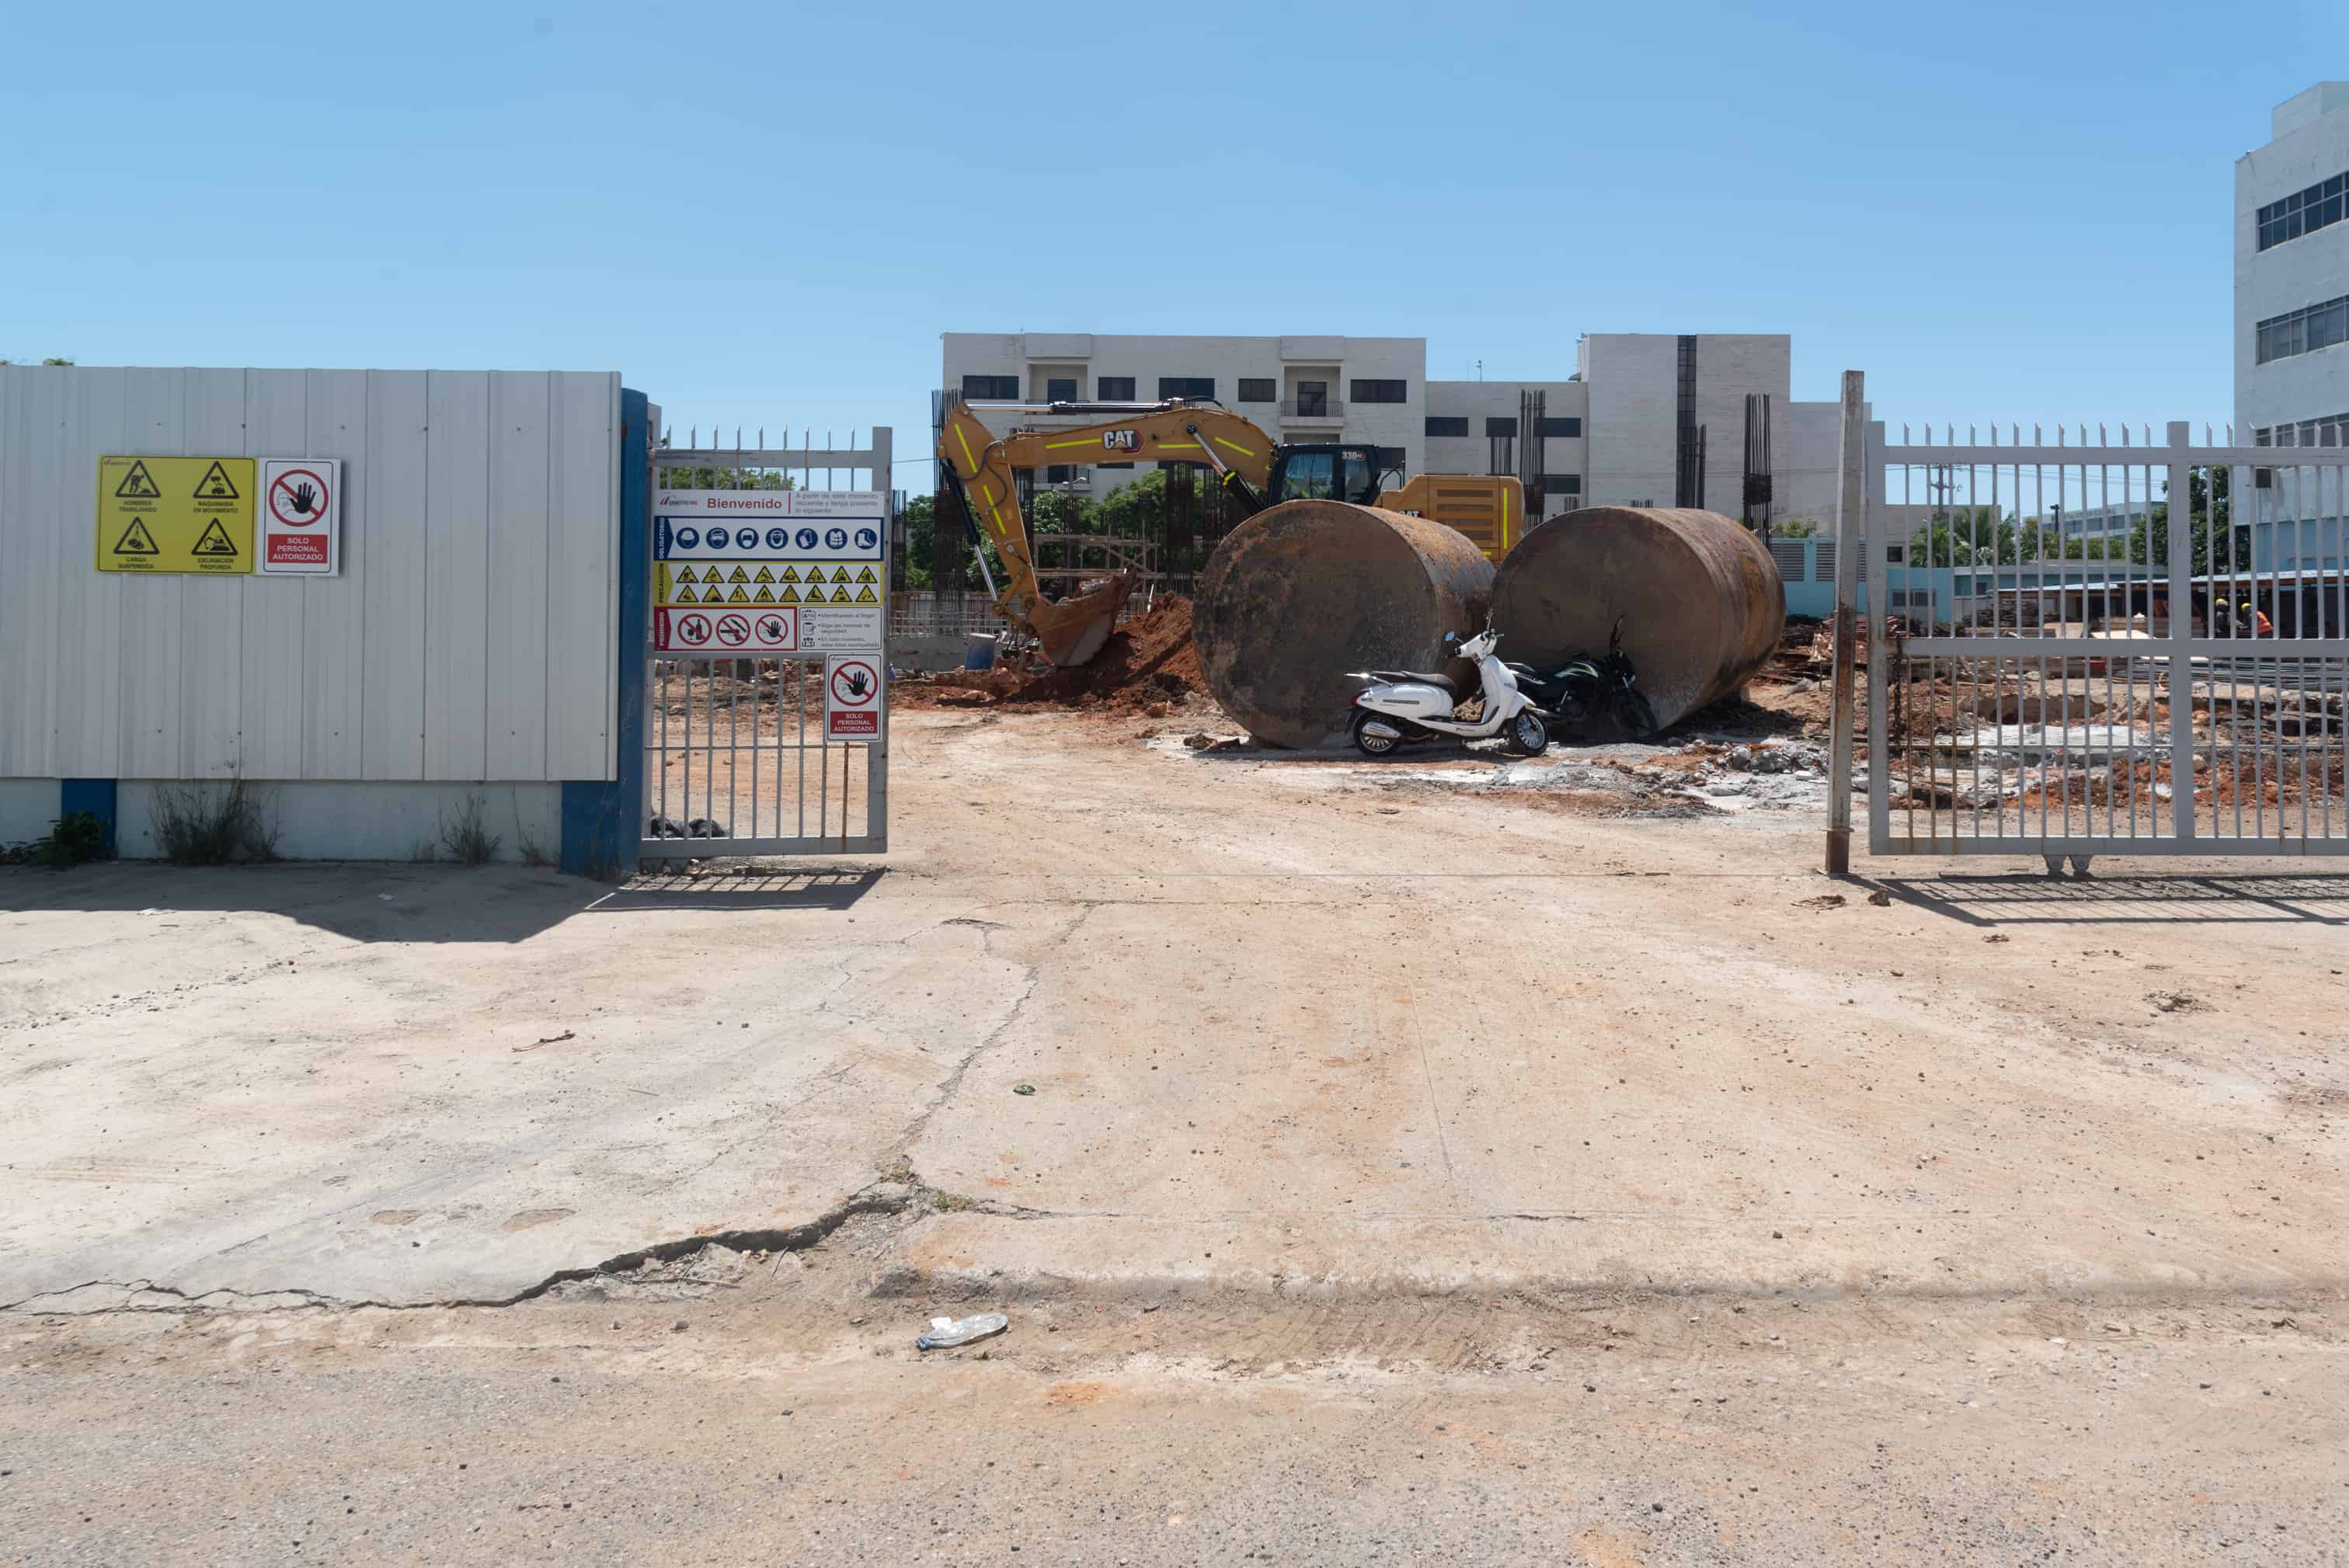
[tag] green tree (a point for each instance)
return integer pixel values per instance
(707, 477)
(1797, 528)
(2212, 511)
(1060, 511)
(1974, 536)
(921, 520)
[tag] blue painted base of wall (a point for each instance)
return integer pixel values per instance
(593, 810)
(94, 796)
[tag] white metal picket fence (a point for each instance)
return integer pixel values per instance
(2148, 648)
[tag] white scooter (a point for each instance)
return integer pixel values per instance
(1415, 704)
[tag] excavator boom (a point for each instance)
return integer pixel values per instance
(981, 465)
(978, 466)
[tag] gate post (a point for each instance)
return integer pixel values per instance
(1851, 505)
(2181, 627)
(1874, 540)
(603, 822)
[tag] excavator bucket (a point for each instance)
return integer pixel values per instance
(1072, 630)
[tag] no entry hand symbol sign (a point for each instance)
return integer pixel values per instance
(852, 699)
(301, 516)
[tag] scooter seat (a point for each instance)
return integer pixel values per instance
(1422, 677)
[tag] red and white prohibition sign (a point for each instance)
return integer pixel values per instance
(301, 516)
(298, 498)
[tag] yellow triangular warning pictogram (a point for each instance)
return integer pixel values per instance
(764, 596)
(740, 576)
(684, 597)
(766, 574)
(216, 486)
(738, 597)
(137, 485)
(864, 596)
(866, 576)
(840, 595)
(791, 596)
(790, 574)
(214, 541)
(840, 574)
(686, 575)
(135, 540)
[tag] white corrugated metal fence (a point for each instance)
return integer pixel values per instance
(470, 635)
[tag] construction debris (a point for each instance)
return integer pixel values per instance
(1147, 663)
(945, 1333)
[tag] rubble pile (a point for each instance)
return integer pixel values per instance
(2068, 743)
(1147, 667)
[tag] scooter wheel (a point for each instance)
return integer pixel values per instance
(1528, 733)
(1370, 742)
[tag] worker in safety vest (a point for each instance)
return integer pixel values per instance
(2256, 619)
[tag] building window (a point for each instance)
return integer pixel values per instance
(1569, 427)
(1381, 392)
(991, 388)
(1059, 474)
(1562, 484)
(1257, 389)
(1061, 389)
(2332, 430)
(1312, 400)
(1498, 425)
(2302, 212)
(2304, 331)
(1112, 465)
(1389, 458)
(1447, 425)
(1186, 386)
(1113, 389)
(1688, 476)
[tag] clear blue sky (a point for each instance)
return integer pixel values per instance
(768, 214)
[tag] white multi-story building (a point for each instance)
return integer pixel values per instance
(1627, 426)
(2292, 320)
(2291, 275)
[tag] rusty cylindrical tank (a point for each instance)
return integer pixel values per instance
(1306, 590)
(1700, 599)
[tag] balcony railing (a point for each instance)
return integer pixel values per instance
(1312, 408)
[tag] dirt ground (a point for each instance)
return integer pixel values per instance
(1431, 1164)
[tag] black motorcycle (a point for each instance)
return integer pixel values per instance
(1578, 695)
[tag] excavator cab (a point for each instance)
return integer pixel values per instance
(1311, 472)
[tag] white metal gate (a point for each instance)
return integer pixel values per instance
(2107, 680)
(736, 759)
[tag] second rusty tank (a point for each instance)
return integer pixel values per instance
(1306, 590)
(1699, 600)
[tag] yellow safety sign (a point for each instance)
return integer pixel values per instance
(699, 582)
(175, 514)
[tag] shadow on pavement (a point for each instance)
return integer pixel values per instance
(365, 901)
(747, 889)
(2022, 898)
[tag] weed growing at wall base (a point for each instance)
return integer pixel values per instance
(75, 837)
(215, 825)
(465, 838)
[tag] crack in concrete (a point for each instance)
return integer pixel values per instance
(898, 1151)
(881, 1196)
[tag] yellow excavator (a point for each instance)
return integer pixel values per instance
(978, 466)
